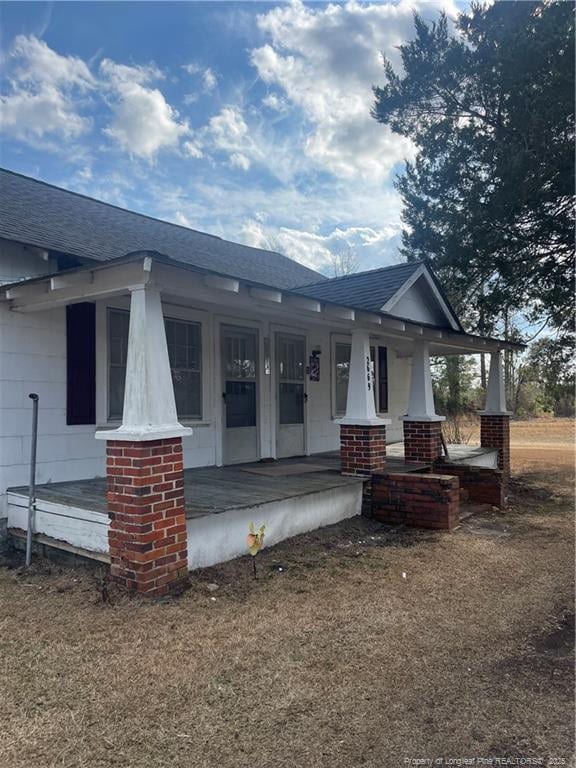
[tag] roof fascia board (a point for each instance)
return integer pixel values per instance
(53, 291)
(423, 271)
(395, 325)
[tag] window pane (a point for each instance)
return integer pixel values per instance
(240, 404)
(342, 356)
(184, 352)
(291, 358)
(383, 379)
(118, 324)
(116, 379)
(291, 403)
(240, 356)
(342, 361)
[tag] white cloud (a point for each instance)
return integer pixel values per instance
(182, 219)
(28, 116)
(209, 80)
(36, 63)
(275, 102)
(143, 123)
(238, 160)
(208, 77)
(43, 93)
(193, 148)
(47, 95)
(123, 73)
(318, 251)
(229, 133)
(252, 144)
(326, 59)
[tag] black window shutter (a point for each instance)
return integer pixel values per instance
(382, 379)
(81, 363)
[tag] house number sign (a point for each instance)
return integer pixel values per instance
(368, 372)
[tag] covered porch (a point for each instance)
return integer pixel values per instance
(267, 391)
(290, 496)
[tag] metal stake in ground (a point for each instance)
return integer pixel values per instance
(32, 486)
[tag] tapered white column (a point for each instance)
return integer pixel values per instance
(495, 390)
(360, 408)
(421, 401)
(149, 405)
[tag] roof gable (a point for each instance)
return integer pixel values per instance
(364, 290)
(408, 291)
(421, 299)
(39, 214)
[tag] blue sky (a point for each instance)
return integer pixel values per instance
(247, 120)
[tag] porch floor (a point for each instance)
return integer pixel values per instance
(459, 453)
(212, 490)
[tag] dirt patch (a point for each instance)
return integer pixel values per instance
(358, 645)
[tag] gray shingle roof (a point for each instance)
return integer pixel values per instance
(39, 214)
(363, 290)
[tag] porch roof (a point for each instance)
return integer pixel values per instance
(117, 276)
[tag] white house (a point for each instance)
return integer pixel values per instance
(145, 339)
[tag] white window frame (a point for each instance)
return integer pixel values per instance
(172, 311)
(336, 338)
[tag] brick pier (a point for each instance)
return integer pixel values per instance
(495, 433)
(147, 534)
(362, 453)
(422, 441)
(362, 449)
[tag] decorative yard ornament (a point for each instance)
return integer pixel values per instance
(255, 541)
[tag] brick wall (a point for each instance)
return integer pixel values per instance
(483, 485)
(420, 500)
(495, 433)
(422, 441)
(147, 534)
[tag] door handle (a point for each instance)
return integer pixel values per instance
(223, 395)
(305, 397)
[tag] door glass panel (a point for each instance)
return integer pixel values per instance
(291, 403)
(239, 350)
(291, 358)
(240, 356)
(240, 404)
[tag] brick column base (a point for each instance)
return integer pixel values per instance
(147, 534)
(495, 433)
(362, 453)
(422, 441)
(362, 449)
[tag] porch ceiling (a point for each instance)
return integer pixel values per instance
(206, 289)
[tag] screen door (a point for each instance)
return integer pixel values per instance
(239, 370)
(291, 369)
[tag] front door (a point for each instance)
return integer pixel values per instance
(291, 369)
(239, 394)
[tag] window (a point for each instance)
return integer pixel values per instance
(379, 366)
(342, 358)
(118, 322)
(185, 354)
